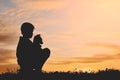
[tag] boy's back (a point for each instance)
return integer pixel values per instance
(25, 53)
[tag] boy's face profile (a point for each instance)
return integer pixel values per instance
(29, 34)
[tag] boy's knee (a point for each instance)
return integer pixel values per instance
(46, 51)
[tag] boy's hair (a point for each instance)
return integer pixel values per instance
(26, 28)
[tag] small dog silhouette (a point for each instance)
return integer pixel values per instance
(41, 54)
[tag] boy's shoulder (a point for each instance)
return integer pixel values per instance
(23, 40)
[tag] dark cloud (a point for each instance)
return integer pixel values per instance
(8, 32)
(6, 52)
(4, 37)
(3, 60)
(7, 39)
(60, 62)
(6, 55)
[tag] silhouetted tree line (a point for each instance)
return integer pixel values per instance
(108, 74)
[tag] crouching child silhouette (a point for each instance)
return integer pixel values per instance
(30, 55)
(41, 55)
(25, 51)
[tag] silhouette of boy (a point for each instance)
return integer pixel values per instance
(25, 48)
(41, 54)
(30, 56)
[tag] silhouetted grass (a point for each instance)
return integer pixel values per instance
(108, 74)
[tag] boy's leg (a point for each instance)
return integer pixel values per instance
(44, 56)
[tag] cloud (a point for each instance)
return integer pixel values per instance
(39, 4)
(112, 46)
(3, 61)
(8, 39)
(35, 11)
(6, 55)
(5, 38)
(8, 33)
(6, 4)
(84, 60)
(6, 52)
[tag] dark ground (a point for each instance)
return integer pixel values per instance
(108, 74)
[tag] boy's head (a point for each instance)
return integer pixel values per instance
(27, 29)
(38, 39)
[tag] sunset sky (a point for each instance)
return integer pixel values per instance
(81, 34)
